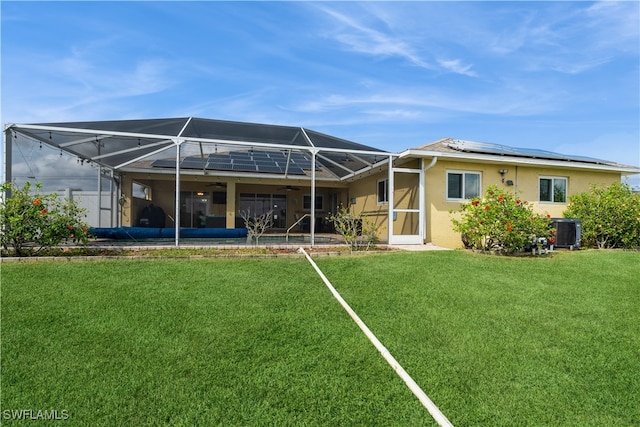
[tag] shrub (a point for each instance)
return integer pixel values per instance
(502, 223)
(358, 231)
(32, 221)
(610, 216)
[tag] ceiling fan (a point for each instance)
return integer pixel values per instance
(217, 185)
(289, 188)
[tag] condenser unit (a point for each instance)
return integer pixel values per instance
(568, 232)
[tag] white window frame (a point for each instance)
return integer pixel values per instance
(553, 185)
(145, 189)
(306, 202)
(464, 196)
(385, 195)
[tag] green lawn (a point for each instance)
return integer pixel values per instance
(492, 340)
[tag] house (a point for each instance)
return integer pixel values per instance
(189, 173)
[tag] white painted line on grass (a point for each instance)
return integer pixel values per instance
(413, 386)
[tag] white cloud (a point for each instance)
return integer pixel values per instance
(456, 66)
(509, 100)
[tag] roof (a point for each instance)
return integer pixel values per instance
(208, 145)
(482, 151)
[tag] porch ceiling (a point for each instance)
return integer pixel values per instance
(206, 145)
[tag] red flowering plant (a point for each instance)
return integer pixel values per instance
(32, 221)
(501, 222)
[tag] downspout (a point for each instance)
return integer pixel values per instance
(432, 164)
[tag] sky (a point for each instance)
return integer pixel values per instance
(559, 76)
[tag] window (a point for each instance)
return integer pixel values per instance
(463, 185)
(383, 191)
(553, 189)
(141, 191)
(306, 203)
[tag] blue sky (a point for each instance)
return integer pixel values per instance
(560, 76)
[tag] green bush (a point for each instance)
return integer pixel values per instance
(502, 223)
(32, 221)
(610, 216)
(358, 231)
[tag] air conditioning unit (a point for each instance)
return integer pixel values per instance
(568, 231)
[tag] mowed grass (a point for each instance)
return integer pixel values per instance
(509, 341)
(492, 340)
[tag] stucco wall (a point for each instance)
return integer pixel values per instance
(361, 195)
(364, 195)
(525, 184)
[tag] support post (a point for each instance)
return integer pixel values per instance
(390, 200)
(312, 225)
(231, 205)
(99, 196)
(178, 143)
(7, 158)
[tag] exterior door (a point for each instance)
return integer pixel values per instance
(406, 206)
(258, 204)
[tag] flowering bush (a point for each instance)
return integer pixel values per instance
(610, 216)
(501, 222)
(32, 221)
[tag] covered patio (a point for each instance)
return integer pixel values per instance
(203, 173)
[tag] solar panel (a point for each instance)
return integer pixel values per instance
(219, 166)
(245, 164)
(265, 164)
(294, 170)
(192, 163)
(260, 155)
(487, 148)
(244, 167)
(275, 162)
(164, 164)
(299, 157)
(270, 169)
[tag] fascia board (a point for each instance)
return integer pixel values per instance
(487, 158)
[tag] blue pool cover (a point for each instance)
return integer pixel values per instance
(136, 233)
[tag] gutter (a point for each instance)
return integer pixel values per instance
(624, 169)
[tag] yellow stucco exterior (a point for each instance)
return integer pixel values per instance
(361, 195)
(522, 180)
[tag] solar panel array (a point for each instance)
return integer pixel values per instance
(274, 162)
(487, 148)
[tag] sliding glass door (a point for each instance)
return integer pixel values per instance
(257, 204)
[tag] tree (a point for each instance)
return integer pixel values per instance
(501, 222)
(256, 225)
(32, 221)
(609, 216)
